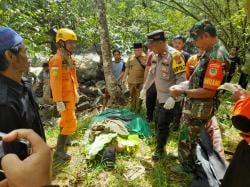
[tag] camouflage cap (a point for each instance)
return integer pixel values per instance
(202, 27)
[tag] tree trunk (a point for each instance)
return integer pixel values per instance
(111, 83)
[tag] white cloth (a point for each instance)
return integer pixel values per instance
(169, 104)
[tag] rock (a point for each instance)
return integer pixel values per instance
(83, 106)
(100, 84)
(83, 98)
(88, 67)
(98, 100)
(47, 112)
(90, 91)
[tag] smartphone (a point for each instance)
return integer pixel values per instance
(22, 148)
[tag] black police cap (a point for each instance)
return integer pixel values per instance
(156, 35)
(137, 45)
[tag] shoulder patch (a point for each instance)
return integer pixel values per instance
(178, 63)
(55, 71)
(214, 75)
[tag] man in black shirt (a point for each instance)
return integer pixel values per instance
(17, 106)
(235, 62)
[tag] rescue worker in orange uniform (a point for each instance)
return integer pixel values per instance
(237, 173)
(64, 87)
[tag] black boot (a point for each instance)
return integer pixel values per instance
(60, 148)
(71, 142)
(158, 154)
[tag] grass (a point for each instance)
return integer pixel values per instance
(79, 172)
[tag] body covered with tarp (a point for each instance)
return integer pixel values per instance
(119, 125)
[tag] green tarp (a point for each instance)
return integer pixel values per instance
(133, 122)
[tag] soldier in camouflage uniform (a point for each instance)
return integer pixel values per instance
(201, 97)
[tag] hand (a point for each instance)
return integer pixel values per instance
(176, 91)
(230, 87)
(60, 106)
(169, 104)
(77, 97)
(35, 170)
(240, 94)
(143, 94)
(123, 81)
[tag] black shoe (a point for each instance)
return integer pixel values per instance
(158, 154)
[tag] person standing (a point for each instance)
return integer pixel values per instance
(135, 67)
(237, 173)
(151, 94)
(201, 101)
(235, 62)
(18, 108)
(64, 87)
(118, 69)
(179, 44)
(167, 69)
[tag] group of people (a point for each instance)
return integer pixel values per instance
(186, 90)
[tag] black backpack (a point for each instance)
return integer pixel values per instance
(209, 166)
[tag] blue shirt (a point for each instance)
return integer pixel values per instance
(118, 68)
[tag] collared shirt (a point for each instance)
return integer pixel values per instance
(136, 70)
(18, 109)
(166, 70)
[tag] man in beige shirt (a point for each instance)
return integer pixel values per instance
(135, 72)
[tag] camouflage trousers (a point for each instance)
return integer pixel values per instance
(135, 101)
(189, 135)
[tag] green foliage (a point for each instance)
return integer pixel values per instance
(129, 21)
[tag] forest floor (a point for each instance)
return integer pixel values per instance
(80, 172)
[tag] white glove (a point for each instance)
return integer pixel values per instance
(184, 85)
(169, 104)
(143, 94)
(60, 106)
(230, 87)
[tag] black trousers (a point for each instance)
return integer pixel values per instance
(243, 80)
(237, 173)
(151, 101)
(164, 120)
(177, 115)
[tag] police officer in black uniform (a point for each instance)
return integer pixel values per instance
(18, 108)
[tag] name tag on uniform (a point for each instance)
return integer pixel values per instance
(178, 64)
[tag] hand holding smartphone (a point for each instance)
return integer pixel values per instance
(21, 147)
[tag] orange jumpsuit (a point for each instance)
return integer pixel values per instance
(64, 87)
